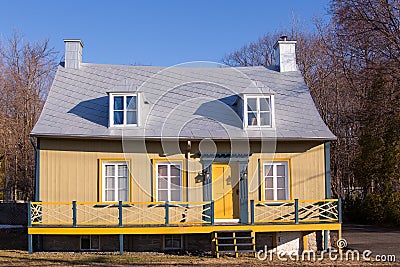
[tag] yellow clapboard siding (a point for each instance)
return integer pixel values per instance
(69, 168)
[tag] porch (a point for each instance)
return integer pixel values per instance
(97, 218)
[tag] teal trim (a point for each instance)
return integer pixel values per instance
(327, 157)
(260, 179)
(252, 212)
(37, 171)
(29, 214)
(212, 212)
(74, 213)
(207, 180)
(296, 211)
(244, 194)
(36, 147)
(276, 204)
(121, 244)
(30, 244)
(120, 213)
(166, 213)
(207, 159)
(328, 195)
(340, 219)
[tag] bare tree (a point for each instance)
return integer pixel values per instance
(26, 72)
(342, 63)
(258, 53)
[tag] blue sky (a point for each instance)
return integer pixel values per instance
(154, 32)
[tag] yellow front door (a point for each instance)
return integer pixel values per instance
(225, 192)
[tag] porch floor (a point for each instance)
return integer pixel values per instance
(181, 228)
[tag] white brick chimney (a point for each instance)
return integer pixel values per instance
(285, 53)
(73, 53)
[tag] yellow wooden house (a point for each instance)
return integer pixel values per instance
(191, 157)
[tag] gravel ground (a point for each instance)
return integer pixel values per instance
(382, 241)
(21, 258)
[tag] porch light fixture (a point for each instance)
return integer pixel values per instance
(205, 174)
(243, 174)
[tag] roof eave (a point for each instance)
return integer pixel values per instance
(118, 137)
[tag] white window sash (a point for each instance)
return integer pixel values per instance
(115, 176)
(275, 179)
(124, 110)
(169, 183)
(258, 111)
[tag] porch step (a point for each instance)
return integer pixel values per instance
(237, 238)
(234, 242)
(231, 245)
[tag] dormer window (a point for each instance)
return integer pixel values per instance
(123, 109)
(258, 111)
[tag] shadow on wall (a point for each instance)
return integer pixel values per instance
(93, 110)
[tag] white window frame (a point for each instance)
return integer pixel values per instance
(246, 111)
(90, 243)
(275, 180)
(169, 164)
(111, 109)
(103, 181)
(176, 237)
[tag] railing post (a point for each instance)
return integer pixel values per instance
(166, 213)
(252, 211)
(340, 210)
(296, 211)
(74, 213)
(30, 244)
(30, 241)
(212, 212)
(29, 214)
(121, 244)
(120, 213)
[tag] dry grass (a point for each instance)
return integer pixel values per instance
(21, 258)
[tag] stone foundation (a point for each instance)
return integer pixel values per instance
(279, 241)
(142, 243)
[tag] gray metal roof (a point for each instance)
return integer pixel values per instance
(193, 103)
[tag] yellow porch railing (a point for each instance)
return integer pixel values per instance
(119, 213)
(296, 211)
(125, 214)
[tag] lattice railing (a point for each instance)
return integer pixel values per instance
(190, 212)
(274, 211)
(54, 213)
(297, 211)
(173, 213)
(323, 210)
(143, 213)
(93, 213)
(119, 213)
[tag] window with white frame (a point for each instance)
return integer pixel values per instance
(90, 242)
(258, 111)
(115, 181)
(276, 177)
(169, 181)
(123, 109)
(173, 242)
